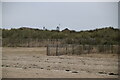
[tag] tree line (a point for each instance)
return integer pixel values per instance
(102, 36)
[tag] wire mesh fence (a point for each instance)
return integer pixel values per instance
(30, 42)
(73, 49)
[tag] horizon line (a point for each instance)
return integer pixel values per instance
(59, 30)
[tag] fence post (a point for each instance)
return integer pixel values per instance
(88, 49)
(73, 49)
(57, 48)
(66, 49)
(80, 49)
(48, 53)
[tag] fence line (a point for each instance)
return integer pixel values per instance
(73, 49)
(30, 42)
(37, 42)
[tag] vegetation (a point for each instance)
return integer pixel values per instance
(103, 36)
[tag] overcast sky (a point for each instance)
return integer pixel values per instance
(0, 15)
(72, 15)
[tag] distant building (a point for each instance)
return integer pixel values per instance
(44, 28)
(58, 28)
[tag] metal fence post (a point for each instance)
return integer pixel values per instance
(57, 48)
(66, 49)
(48, 53)
(73, 49)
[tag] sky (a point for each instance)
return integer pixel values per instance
(119, 15)
(73, 15)
(0, 15)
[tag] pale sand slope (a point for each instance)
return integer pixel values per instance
(33, 63)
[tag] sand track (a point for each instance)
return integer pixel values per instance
(33, 63)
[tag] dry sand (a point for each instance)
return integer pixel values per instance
(33, 63)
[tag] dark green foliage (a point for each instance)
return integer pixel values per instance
(103, 36)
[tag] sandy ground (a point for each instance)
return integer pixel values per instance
(33, 63)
